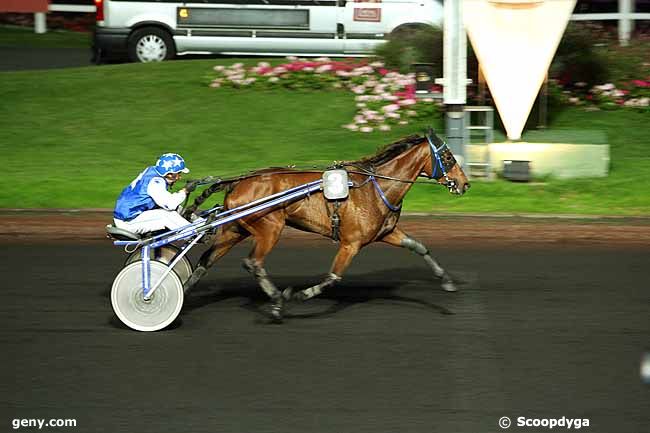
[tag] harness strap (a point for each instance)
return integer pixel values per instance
(383, 196)
(336, 221)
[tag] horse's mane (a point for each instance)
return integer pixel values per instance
(390, 151)
(383, 155)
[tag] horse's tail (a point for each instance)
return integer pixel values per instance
(227, 185)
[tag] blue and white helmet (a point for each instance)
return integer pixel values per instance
(171, 163)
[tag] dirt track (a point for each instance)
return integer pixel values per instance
(439, 230)
(541, 330)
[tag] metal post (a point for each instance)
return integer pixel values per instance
(543, 105)
(455, 76)
(40, 24)
(624, 22)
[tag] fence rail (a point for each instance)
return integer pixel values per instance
(72, 8)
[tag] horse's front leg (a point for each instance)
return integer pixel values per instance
(344, 256)
(400, 239)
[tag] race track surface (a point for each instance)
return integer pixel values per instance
(536, 331)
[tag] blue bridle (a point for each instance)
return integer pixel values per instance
(436, 163)
(439, 163)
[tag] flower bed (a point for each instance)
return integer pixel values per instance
(633, 94)
(383, 98)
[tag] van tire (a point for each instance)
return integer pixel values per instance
(151, 44)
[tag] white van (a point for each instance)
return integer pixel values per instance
(156, 30)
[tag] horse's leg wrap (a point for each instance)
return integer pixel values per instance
(316, 290)
(276, 308)
(198, 273)
(439, 272)
(262, 278)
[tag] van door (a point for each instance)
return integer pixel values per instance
(261, 26)
(365, 24)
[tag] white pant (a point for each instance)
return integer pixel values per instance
(153, 220)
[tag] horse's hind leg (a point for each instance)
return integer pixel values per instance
(266, 232)
(400, 239)
(344, 256)
(225, 239)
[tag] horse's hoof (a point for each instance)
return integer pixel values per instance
(449, 286)
(275, 310)
(276, 313)
(287, 294)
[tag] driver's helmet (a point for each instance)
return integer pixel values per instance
(171, 163)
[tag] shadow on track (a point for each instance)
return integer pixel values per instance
(357, 289)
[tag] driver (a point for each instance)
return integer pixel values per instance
(146, 204)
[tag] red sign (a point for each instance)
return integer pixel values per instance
(367, 14)
(23, 5)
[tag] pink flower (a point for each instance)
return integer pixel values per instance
(641, 83)
(390, 108)
(351, 127)
(323, 68)
(384, 127)
(406, 102)
(365, 129)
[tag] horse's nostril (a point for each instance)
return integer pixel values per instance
(467, 185)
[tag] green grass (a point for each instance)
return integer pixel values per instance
(16, 37)
(74, 138)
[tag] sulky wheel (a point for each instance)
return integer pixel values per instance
(152, 315)
(165, 255)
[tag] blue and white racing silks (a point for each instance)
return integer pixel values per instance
(147, 191)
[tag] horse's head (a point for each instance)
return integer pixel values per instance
(444, 167)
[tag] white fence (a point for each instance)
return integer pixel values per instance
(40, 23)
(624, 16)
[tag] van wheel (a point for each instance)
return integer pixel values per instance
(151, 44)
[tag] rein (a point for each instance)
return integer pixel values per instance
(371, 176)
(383, 196)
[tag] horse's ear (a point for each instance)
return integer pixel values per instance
(437, 141)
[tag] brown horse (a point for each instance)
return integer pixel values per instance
(369, 214)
